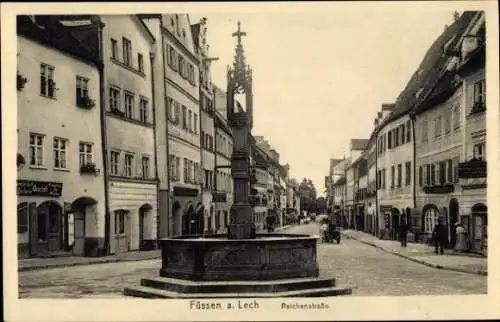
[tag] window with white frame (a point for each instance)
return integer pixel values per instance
(129, 164)
(195, 123)
(456, 117)
(425, 131)
(177, 168)
(47, 84)
(36, 149)
(449, 171)
(480, 151)
(60, 150)
(127, 51)
(115, 162)
(184, 118)
(430, 220)
(129, 104)
(114, 49)
(140, 63)
(479, 92)
(177, 113)
(190, 121)
(172, 166)
(143, 110)
(114, 99)
(170, 109)
(437, 126)
(85, 153)
(186, 171)
(145, 167)
(82, 89)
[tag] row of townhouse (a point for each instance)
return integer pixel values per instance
(426, 157)
(122, 137)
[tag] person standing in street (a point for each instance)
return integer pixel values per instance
(461, 243)
(440, 237)
(403, 233)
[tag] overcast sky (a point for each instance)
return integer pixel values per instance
(321, 77)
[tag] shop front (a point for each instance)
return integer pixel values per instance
(188, 214)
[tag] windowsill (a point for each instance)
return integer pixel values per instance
(49, 97)
(38, 167)
(128, 67)
(61, 169)
(130, 120)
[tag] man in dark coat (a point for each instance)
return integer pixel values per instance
(403, 233)
(440, 236)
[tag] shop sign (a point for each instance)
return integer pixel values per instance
(39, 188)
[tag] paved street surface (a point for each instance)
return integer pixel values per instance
(368, 270)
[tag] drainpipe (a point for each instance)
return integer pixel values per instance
(378, 182)
(214, 184)
(153, 103)
(167, 121)
(200, 97)
(412, 118)
(104, 142)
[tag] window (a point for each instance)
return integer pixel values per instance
(455, 171)
(195, 123)
(22, 218)
(408, 131)
(145, 167)
(425, 128)
(143, 110)
(115, 162)
(186, 170)
(400, 175)
(420, 176)
(456, 116)
(120, 221)
(47, 84)
(82, 90)
(393, 173)
(196, 172)
(442, 172)
(85, 151)
(114, 49)
(172, 165)
(430, 220)
(403, 133)
(129, 164)
(437, 127)
(129, 105)
(170, 108)
(433, 174)
(449, 176)
(36, 149)
(480, 151)
(114, 99)
(396, 137)
(389, 139)
(427, 174)
(127, 51)
(173, 58)
(407, 173)
(140, 63)
(180, 65)
(190, 121)
(184, 118)
(479, 92)
(177, 113)
(447, 123)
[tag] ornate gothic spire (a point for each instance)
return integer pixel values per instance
(239, 66)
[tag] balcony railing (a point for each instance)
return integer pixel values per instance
(472, 169)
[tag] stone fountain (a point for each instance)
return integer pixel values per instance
(241, 263)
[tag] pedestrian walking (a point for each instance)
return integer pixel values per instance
(403, 233)
(440, 237)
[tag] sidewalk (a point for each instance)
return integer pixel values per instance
(30, 264)
(424, 254)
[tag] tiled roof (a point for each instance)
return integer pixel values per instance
(358, 144)
(429, 71)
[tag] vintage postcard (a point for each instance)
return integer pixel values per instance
(250, 161)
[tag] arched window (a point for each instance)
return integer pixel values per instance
(431, 216)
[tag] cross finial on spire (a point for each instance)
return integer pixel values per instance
(239, 33)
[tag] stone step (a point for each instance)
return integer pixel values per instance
(273, 286)
(149, 292)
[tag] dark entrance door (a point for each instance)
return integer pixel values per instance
(49, 217)
(395, 226)
(453, 212)
(141, 228)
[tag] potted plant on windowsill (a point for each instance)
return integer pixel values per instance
(21, 81)
(85, 102)
(88, 168)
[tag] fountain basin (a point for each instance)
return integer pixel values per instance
(217, 258)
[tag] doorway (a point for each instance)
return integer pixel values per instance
(49, 224)
(121, 238)
(144, 214)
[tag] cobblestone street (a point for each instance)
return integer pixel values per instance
(368, 270)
